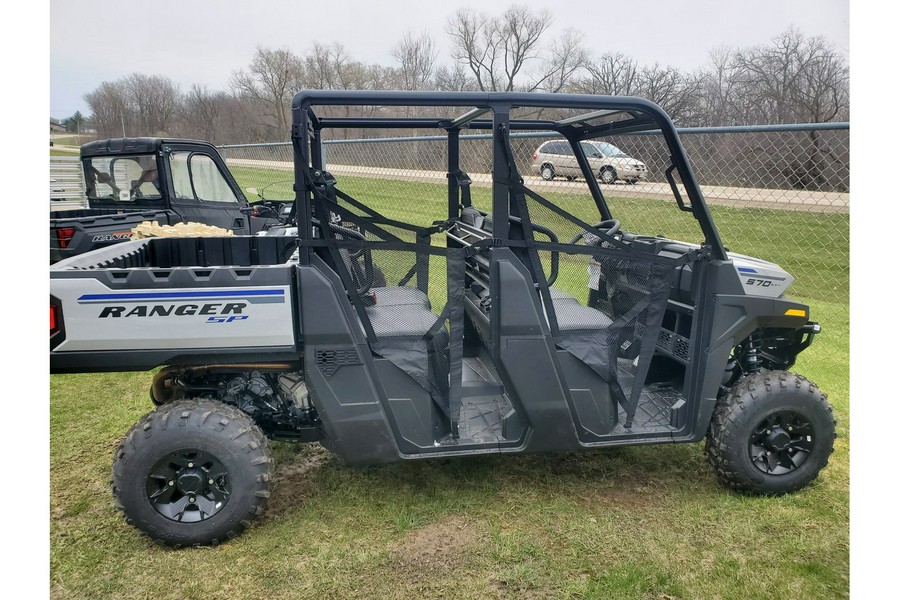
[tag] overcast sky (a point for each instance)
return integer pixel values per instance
(204, 41)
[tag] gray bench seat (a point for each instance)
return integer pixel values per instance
(400, 296)
(573, 316)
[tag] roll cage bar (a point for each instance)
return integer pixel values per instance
(604, 115)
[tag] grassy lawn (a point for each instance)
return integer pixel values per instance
(72, 139)
(640, 522)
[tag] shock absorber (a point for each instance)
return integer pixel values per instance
(754, 343)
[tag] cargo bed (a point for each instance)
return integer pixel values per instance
(147, 302)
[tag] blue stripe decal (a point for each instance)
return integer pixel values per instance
(179, 295)
(746, 270)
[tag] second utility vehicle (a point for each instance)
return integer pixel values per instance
(165, 181)
(473, 321)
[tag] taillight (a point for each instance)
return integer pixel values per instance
(534, 156)
(64, 236)
(54, 322)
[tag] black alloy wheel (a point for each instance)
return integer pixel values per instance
(188, 486)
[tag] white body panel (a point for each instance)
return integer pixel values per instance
(97, 318)
(761, 278)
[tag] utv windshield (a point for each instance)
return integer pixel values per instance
(122, 178)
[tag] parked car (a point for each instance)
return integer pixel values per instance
(555, 158)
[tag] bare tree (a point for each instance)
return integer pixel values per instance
(416, 56)
(454, 78)
(111, 112)
(497, 49)
(795, 78)
(201, 113)
(720, 95)
(271, 81)
(567, 58)
(673, 90)
(613, 74)
(154, 100)
(135, 105)
(326, 66)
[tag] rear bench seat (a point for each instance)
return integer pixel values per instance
(400, 296)
(400, 331)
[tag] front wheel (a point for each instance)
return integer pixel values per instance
(193, 472)
(608, 175)
(771, 434)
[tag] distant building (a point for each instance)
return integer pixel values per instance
(56, 125)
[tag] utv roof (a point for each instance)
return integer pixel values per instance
(136, 145)
(594, 115)
(574, 116)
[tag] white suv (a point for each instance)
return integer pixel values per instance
(556, 158)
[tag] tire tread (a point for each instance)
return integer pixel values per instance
(252, 438)
(721, 438)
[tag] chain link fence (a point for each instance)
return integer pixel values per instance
(780, 193)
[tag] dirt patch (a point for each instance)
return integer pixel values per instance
(437, 547)
(294, 480)
(626, 495)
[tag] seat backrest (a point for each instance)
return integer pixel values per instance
(472, 216)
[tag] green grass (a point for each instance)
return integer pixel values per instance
(71, 139)
(636, 522)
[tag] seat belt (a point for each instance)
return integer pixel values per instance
(464, 182)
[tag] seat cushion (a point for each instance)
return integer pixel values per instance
(572, 316)
(400, 296)
(400, 320)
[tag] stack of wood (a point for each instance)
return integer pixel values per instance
(150, 229)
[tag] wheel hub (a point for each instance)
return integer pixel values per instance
(188, 486)
(778, 440)
(781, 442)
(191, 481)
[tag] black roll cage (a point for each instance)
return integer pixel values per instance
(631, 115)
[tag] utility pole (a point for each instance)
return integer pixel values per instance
(122, 116)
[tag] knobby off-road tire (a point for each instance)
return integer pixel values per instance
(192, 473)
(767, 423)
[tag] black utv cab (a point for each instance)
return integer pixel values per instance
(512, 321)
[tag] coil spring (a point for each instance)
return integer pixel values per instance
(754, 343)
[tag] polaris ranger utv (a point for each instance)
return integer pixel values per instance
(511, 323)
(166, 181)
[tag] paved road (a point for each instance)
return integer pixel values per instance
(802, 200)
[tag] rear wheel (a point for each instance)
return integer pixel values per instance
(771, 434)
(194, 472)
(547, 172)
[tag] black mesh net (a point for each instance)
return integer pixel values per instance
(604, 300)
(407, 292)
